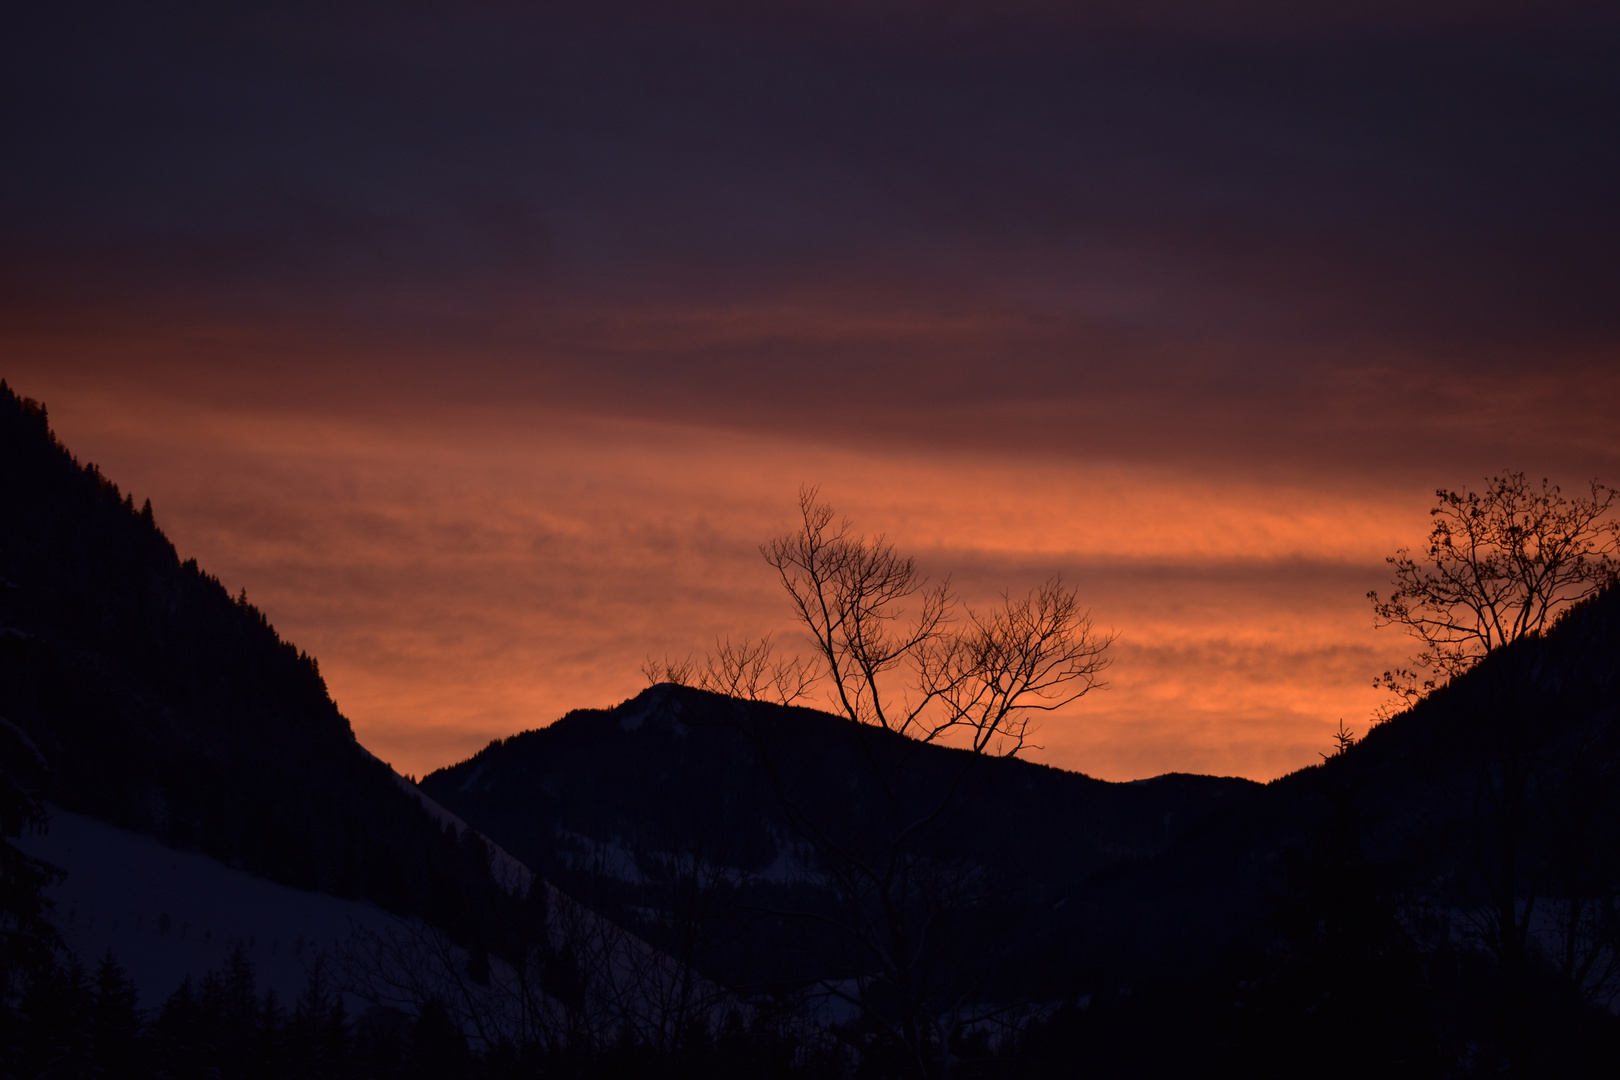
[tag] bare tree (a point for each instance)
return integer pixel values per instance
(1537, 885)
(904, 657)
(678, 672)
(908, 665)
(852, 594)
(1034, 654)
(1501, 564)
(750, 669)
(875, 619)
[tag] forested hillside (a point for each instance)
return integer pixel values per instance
(679, 813)
(161, 704)
(1447, 890)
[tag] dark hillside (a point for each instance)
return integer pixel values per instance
(163, 705)
(602, 801)
(1518, 759)
(1448, 889)
(1441, 900)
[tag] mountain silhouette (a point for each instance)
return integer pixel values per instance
(162, 705)
(606, 802)
(1441, 899)
(1448, 887)
(773, 891)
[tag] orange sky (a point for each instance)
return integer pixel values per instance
(482, 345)
(482, 573)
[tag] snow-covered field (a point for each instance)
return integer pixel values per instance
(169, 914)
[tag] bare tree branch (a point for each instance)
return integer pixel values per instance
(750, 669)
(666, 670)
(980, 676)
(852, 594)
(1034, 654)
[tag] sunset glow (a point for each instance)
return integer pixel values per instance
(484, 574)
(484, 350)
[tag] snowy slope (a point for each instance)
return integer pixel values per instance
(169, 914)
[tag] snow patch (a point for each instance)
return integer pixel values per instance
(632, 721)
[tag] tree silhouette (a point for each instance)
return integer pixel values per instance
(908, 665)
(1500, 565)
(750, 669)
(875, 619)
(28, 940)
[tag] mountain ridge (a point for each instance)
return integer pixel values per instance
(163, 705)
(1447, 890)
(672, 769)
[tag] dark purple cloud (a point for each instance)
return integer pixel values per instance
(1239, 226)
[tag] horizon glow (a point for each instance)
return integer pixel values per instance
(483, 346)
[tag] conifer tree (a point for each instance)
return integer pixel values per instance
(115, 1025)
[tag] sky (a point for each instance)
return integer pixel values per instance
(482, 344)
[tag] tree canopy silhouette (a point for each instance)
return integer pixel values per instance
(1500, 565)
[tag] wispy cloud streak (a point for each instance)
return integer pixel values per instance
(482, 343)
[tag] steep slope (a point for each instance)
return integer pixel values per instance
(164, 706)
(172, 915)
